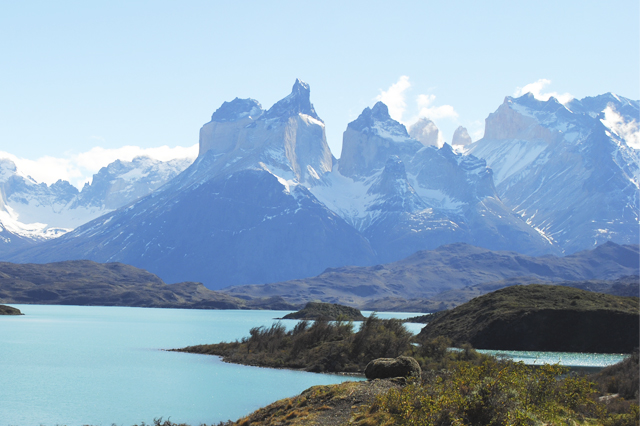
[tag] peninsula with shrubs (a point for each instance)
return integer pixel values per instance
(455, 386)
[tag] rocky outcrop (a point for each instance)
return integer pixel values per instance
(289, 139)
(371, 139)
(461, 137)
(509, 123)
(426, 131)
(386, 368)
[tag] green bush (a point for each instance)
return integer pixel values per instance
(493, 393)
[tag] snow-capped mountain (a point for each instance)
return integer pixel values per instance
(240, 214)
(571, 171)
(404, 195)
(289, 139)
(34, 212)
(266, 201)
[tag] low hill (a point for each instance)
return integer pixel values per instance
(83, 282)
(542, 318)
(429, 273)
(326, 311)
(9, 310)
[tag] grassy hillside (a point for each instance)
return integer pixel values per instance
(542, 318)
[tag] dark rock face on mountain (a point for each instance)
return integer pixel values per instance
(542, 318)
(568, 170)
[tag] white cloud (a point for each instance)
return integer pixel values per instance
(434, 112)
(394, 98)
(536, 90)
(629, 131)
(79, 168)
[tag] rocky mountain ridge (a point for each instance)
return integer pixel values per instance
(31, 212)
(265, 201)
(570, 171)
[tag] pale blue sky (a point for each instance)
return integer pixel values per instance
(81, 74)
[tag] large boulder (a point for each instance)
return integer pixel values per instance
(385, 368)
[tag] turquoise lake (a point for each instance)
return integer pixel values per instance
(77, 365)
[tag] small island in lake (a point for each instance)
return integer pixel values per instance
(9, 310)
(328, 311)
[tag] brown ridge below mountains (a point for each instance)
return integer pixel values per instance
(433, 280)
(426, 281)
(84, 282)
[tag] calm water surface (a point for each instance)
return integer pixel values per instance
(73, 365)
(77, 365)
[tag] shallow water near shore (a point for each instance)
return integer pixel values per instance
(76, 365)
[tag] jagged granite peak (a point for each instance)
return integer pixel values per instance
(371, 139)
(288, 140)
(426, 131)
(377, 121)
(298, 102)
(461, 137)
(237, 109)
(514, 120)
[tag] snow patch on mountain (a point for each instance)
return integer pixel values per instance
(348, 198)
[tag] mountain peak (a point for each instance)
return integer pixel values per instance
(298, 102)
(377, 121)
(461, 137)
(425, 131)
(300, 86)
(236, 110)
